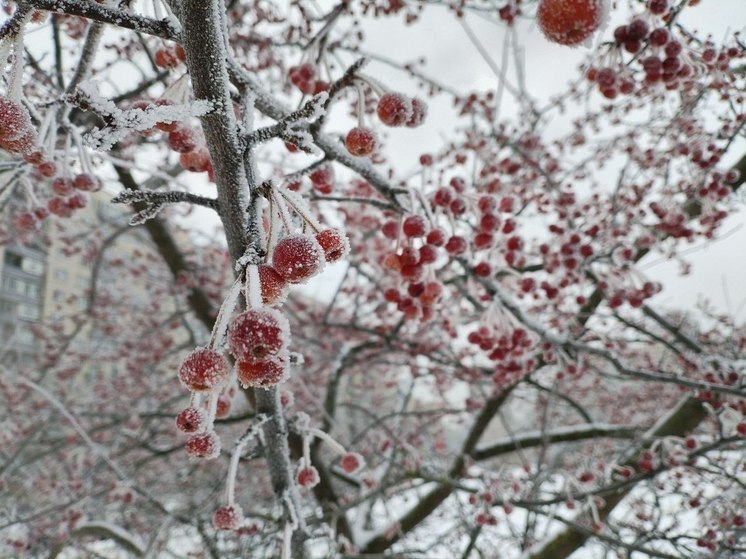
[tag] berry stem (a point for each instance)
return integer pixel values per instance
(224, 314)
(327, 438)
(300, 207)
(253, 291)
(15, 83)
(282, 210)
(360, 105)
(248, 436)
(212, 408)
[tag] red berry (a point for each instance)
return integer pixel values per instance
(436, 237)
(15, 120)
(658, 7)
(223, 406)
(308, 476)
(165, 58)
(414, 226)
(273, 285)
(196, 161)
(419, 112)
(456, 246)
(182, 139)
(62, 186)
(228, 517)
(298, 258)
(203, 370)
(86, 182)
(258, 334)
(569, 22)
(58, 206)
(394, 109)
(77, 201)
(428, 254)
(360, 141)
(24, 144)
(25, 221)
(659, 37)
(334, 243)
(204, 445)
(262, 373)
(191, 420)
(47, 169)
(351, 462)
(35, 157)
(322, 175)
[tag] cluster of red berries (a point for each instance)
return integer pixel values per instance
(183, 139)
(322, 179)
(17, 134)
(228, 517)
(396, 109)
(304, 77)
(633, 297)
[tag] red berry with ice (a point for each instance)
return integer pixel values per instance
(191, 420)
(570, 22)
(204, 370)
(360, 141)
(334, 243)
(419, 112)
(394, 109)
(258, 334)
(204, 445)
(308, 476)
(273, 285)
(351, 462)
(228, 517)
(262, 374)
(298, 258)
(15, 120)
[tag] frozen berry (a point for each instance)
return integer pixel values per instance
(196, 161)
(419, 112)
(360, 141)
(223, 408)
(24, 144)
(62, 186)
(569, 22)
(203, 370)
(258, 334)
(15, 120)
(394, 109)
(182, 140)
(273, 285)
(204, 445)
(166, 58)
(228, 517)
(334, 243)
(414, 226)
(298, 258)
(308, 476)
(351, 462)
(262, 373)
(191, 420)
(86, 182)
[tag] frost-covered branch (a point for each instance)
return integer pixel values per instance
(156, 200)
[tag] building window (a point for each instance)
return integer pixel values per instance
(32, 266)
(12, 259)
(29, 312)
(58, 296)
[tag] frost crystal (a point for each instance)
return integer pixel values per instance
(298, 258)
(258, 334)
(204, 445)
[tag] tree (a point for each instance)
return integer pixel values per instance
(493, 375)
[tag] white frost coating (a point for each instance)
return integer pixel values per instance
(327, 438)
(117, 532)
(129, 120)
(303, 140)
(224, 315)
(317, 105)
(532, 325)
(253, 287)
(300, 206)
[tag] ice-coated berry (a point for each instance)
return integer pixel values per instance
(419, 112)
(273, 285)
(394, 109)
(262, 373)
(308, 476)
(298, 258)
(334, 243)
(204, 445)
(351, 462)
(86, 182)
(258, 334)
(203, 370)
(191, 420)
(228, 517)
(360, 141)
(569, 22)
(15, 120)
(182, 139)
(23, 144)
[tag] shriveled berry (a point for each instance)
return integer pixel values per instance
(360, 141)
(203, 370)
(394, 109)
(228, 517)
(204, 445)
(298, 258)
(334, 243)
(258, 334)
(191, 420)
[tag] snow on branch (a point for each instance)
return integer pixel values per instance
(120, 122)
(167, 28)
(156, 200)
